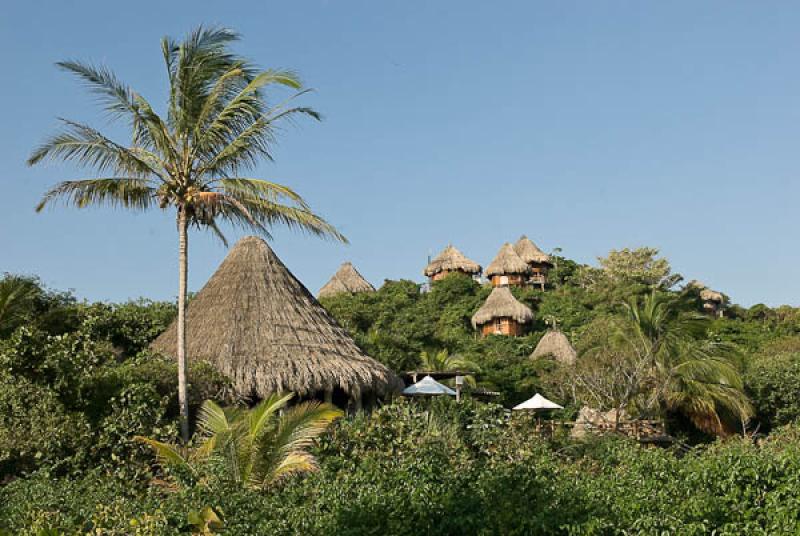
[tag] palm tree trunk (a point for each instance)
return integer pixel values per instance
(183, 401)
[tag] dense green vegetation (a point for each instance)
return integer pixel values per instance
(77, 384)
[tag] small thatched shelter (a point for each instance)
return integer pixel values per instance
(346, 280)
(502, 314)
(508, 268)
(449, 261)
(257, 324)
(713, 301)
(538, 261)
(554, 343)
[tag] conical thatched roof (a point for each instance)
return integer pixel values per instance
(556, 344)
(450, 260)
(507, 262)
(706, 294)
(530, 252)
(501, 304)
(257, 324)
(346, 280)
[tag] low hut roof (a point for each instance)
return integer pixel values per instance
(706, 294)
(530, 252)
(502, 304)
(450, 260)
(507, 262)
(346, 280)
(257, 324)
(555, 343)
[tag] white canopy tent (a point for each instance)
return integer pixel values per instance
(428, 386)
(538, 403)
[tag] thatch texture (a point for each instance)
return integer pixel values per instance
(555, 343)
(706, 294)
(501, 304)
(507, 262)
(530, 252)
(346, 280)
(451, 260)
(257, 324)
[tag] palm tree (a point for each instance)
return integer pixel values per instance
(254, 447)
(442, 361)
(194, 160)
(687, 373)
(17, 296)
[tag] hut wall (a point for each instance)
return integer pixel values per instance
(510, 280)
(503, 326)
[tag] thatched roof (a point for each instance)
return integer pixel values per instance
(257, 324)
(450, 260)
(530, 252)
(706, 294)
(507, 262)
(501, 304)
(556, 344)
(346, 280)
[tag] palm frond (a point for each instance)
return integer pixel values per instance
(166, 454)
(116, 192)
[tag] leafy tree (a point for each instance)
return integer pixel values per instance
(194, 159)
(639, 265)
(255, 447)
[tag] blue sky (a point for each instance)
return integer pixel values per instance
(586, 125)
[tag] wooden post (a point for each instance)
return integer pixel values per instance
(357, 403)
(329, 396)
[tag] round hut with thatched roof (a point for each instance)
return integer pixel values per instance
(502, 314)
(257, 324)
(556, 345)
(451, 261)
(713, 301)
(346, 280)
(538, 261)
(508, 268)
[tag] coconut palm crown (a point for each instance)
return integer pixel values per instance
(194, 158)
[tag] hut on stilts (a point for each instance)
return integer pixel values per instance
(450, 261)
(508, 269)
(502, 314)
(256, 323)
(538, 261)
(346, 280)
(556, 345)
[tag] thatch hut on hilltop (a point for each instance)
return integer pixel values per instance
(508, 268)
(502, 314)
(554, 343)
(538, 261)
(256, 323)
(713, 301)
(449, 261)
(346, 280)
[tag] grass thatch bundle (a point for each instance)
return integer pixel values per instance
(346, 280)
(451, 260)
(530, 252)
(502, 304)
(555, 343)
(706, 294)
(257, 324)
(507, 262)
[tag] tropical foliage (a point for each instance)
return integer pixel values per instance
(250, 447)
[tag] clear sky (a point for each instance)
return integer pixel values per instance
(586, 125)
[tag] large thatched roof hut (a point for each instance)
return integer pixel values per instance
(502, 314)
(346, 280)
(508, 268)
(554, 343)
(449, 261)
(538, 261)
(257, 324)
